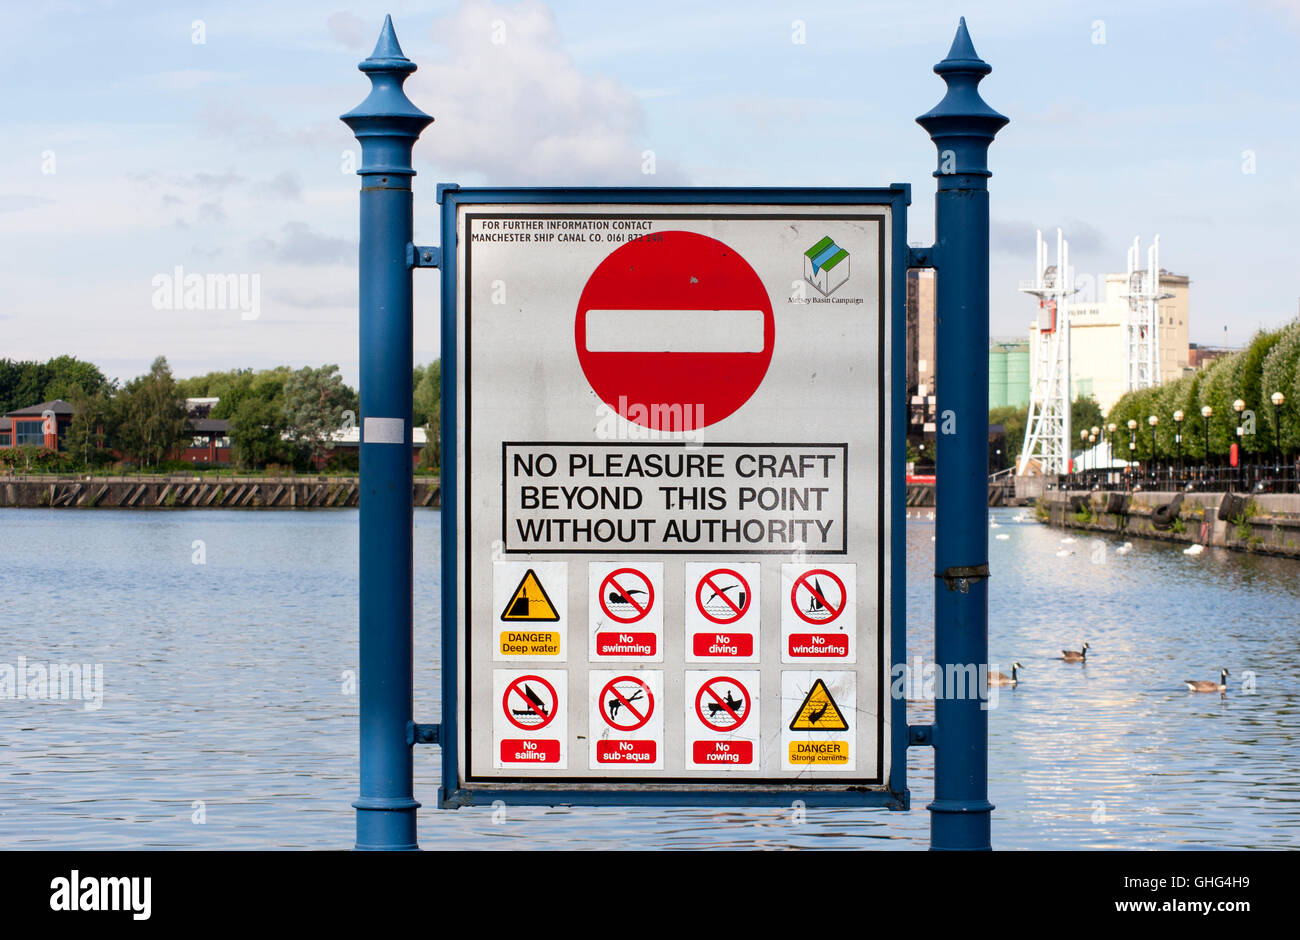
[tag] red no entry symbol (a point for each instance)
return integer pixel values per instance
(627, 591)
(723, 596)
(692, 331)
(820, 604)
(722, 703)
(529, 702)
(626, 703)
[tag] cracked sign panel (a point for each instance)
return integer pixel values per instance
(671, 496)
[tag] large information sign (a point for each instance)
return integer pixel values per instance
(672, 494)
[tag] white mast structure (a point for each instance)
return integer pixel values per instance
(1142, 331)
(1047, 436)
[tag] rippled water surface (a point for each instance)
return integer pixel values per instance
(224, 683)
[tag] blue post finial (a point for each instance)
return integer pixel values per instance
(387, 123)
(962, 125)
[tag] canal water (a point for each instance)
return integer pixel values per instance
(228, 720)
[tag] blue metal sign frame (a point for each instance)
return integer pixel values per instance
(894, 794)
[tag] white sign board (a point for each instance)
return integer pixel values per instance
(672, 435)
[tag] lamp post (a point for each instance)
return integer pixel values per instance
(1153, 421)
(1110, 450)
(1239, 406)
(1178, 440)
(1092, 448)
(1132, 443)
(1277, 398)
(1206, 413)
(1083, 446)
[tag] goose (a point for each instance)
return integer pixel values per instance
(1064, 553)
(1076, 656)
(1193, 549)
(1208, 685)
(1067, 541)
(1124, 549)
(1018, 517)
(997, 678)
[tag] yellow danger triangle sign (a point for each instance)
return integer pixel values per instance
(819, 712)
(530, 602)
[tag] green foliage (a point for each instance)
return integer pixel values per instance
(92, 425)
(1085, 413)
(1178, 526)
(1268, 364)
(426, 405)
(1013, 421)
(27, 383)
(149, 416)
(31, 458)
(314, 404)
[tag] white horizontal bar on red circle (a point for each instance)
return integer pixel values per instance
(675, 331)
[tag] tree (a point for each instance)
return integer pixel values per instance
(1085, 413)
(90, 428)
(68, 377)
(314, 403)
(1013, 420)
(22, 384)
(150, 416)
(427, 411)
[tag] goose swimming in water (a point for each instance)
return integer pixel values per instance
(1076, 656)
(1208, 685)
(997, 678)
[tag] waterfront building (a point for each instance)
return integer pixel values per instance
(29, 426)
(1098, 339)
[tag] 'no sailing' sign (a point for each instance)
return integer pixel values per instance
(676, 420)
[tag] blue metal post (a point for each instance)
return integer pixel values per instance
(387, 126)
(962, 126)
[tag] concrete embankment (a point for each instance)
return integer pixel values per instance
(184, 491)
(1261, 523)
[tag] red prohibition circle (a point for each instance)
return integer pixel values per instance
(738, 611)
(707, 686)
(610, 582)
(674, 391)
(803, 579)
(514, 686)
(626, 703)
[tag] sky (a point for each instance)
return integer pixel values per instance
(143, 137)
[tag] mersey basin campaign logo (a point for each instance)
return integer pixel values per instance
(826, 266)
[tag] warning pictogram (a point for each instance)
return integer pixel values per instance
(819, 596)
(723, 596)
(626, 703)
(819, 712)
(626, 595)
(529, 601)
(722, 703)
(529, 702)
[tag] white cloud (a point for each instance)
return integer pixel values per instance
(511, 104)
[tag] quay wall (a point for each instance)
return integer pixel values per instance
(1259, 523)
(183, 491)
